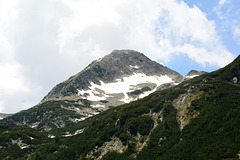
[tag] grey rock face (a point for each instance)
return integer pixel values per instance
(194, 72)
(192, 89)
(118, 64)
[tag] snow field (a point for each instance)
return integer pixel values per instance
(124, 86)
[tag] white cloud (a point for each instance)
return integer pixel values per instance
(204, 56)
(42, 44)
(5, 49)
(187, 30)
(10, 79)
(135, 24)
(1, 106)
(228, 13)
(8, 10)
(222, 2)
(236, 34)
(17, 92)
(14, 88)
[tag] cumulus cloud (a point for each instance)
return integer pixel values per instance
(42, 44)
(158, 28)
(10, 79)
(187, 30)
(228, 13)
(222, 2)
(12, 87)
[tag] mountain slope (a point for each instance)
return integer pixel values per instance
(120, 77)
(152, 128)
(197, 119)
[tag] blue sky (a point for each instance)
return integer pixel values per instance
(43, 44)
(225, 14)
(226, 17)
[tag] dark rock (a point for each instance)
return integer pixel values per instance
(192, 89)
(195, 72)
(237, 73)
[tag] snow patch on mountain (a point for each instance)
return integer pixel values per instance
(76, 132)
(194, 73)
(125, 85)
(98, 106)
(136, 67)
(192, 76)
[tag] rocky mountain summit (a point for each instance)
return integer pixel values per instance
(120, 77)
(194, 73)
(118, 66)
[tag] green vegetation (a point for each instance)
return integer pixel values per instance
(140, 91)
(136, 92)
(104, 101)
(12, 136)
(50, 114)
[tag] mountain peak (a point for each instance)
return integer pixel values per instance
(114, 66)
(124, 51)
(121, 59)
(125, 57)
(128, 56)
(194, 73)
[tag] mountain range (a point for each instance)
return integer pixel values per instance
(185, 118)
